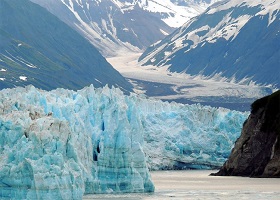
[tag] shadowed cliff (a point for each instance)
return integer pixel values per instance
(257, 151)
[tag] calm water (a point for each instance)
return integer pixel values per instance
(177, 185)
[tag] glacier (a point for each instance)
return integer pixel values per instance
(62, 144)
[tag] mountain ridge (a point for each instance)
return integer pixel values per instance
(236, 40)
(115, 26)
(37, 48)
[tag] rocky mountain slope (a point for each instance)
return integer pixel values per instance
(257, 151)
(235, 40)
(121, 25)
(37, 48)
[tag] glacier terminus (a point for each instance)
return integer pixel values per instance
(63, 144)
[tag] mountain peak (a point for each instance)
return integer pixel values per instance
(124, 25)
(266, 6)
(236, 40)
(39, 49)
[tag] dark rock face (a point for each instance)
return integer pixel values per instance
(257, 151)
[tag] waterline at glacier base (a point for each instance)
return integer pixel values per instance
(63, 144)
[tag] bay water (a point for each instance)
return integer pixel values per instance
(197, 184)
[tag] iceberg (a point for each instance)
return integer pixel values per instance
(62, 144)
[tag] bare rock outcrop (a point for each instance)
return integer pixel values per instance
(257, 151)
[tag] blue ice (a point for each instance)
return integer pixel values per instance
(63, 144)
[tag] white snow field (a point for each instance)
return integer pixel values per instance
(116, 25)
(63, 144)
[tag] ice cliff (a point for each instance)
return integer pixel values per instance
(63, 144)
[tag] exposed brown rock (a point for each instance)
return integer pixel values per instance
(257, 151)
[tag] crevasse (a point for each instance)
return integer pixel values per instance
(63, 144)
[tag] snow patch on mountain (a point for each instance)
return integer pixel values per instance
(228, 29)
(23, 78)
(175, 15)
(219, 35)
(105, 23)
(266, 7)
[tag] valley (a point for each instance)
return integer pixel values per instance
(160, 83)
(96, 94)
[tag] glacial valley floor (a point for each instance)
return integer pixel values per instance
(160, 83)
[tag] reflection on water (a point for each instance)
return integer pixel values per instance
(178, 185)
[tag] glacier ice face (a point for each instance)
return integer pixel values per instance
(189, 136)
(63, 144)
(34, 158)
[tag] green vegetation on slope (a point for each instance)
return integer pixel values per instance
(37, 45)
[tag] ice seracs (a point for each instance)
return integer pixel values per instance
(63, 144)
(181, 136)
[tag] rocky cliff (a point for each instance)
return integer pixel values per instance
(257, 151)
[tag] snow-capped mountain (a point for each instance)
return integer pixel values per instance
(37, 48)
(116, 25)
(234, 39)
